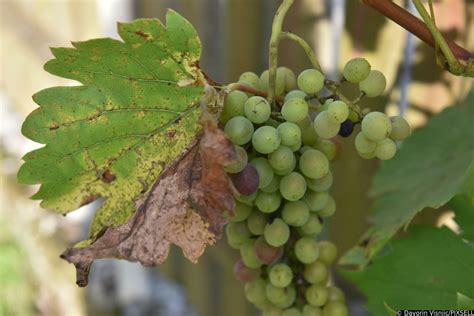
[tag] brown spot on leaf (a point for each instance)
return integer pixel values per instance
(184, 207)
(171, 133)
(142, 34)
(54, 127)
(107, 176)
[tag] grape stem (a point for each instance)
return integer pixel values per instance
(246, 88)
(308, 50)
(273, 46)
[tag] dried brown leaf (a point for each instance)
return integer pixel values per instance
(185, 207)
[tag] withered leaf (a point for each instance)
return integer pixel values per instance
(185, 207)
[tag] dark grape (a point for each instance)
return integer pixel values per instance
(246, 181)
(267, 253)
(244, 273)
(346, 128)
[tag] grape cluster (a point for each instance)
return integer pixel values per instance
(283, 176)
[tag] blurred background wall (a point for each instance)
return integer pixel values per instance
(234, 34)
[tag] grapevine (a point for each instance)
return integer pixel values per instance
(287, 142)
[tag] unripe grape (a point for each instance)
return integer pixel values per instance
(325, 126)
(256, 222)
(280, 275)
(316, 201)
(247, 199)
(289, 77)
(290, 134)
(257, 109)
(309, 310)
(374, 84)
(325, 105)
(266, 252)
(255, 291)
(277, 233)
(233, 105)
(376, 126)
(312, 227)
(338, 110)
(306, 250)
(268, 202)
(316, 273)
(295, 94)
(239, 164)
(247, 180)
(367, 155)
(296, 147)
(335, 309)
(320, 185)
(364, 145)
(286, 172)
(327, 147)
(271, 310)
(274, 186)
(309, 135)
(327, 252)
(316, 295)
(239, 130)
(329, 209)
(356, 70)
(385, 149)
(241, 212)
(264, 170)
(310, 81)
(248, 254)
(353, 116)
(237, 232)
(244, 273)
(295, 213)
(282, 158)
(295, 110)
(336, 294)
(293, 186)
(266, 139)
(281, 297)
(251, 78)
(400, 128)
(314, 164)
(280, 82)
(292, 312)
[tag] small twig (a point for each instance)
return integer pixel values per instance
(246, 88)
(308, 50)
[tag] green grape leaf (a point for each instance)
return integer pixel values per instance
(463, 206)
(111, 137)
(425, 270)
(428, 170)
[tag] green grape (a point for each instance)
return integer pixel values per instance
(280, 275)
(268, 202)
(327, 147)
(264, 170)
(316, 201)
(240, 163)
(251, 78)
(288, 77)
(374, 84)
(316, 295)
(312, 227)
(271, 310)
(291, 312)
(310, 81)
(266, 139)
(335, 294)
(237, 232)
(282, 158)
(295, 213)
(376, 126)
(290, 134)
(289, 298)
(356, 70)
(296, 147)
(364, 145)
(280, 82)
(316, 273)
(367, 155)
(295, 110)
(329, 209)
(274, 294)
(247, 199)
(293, 186)
(274, 186)
(385, 149)
(325, 105)
(233, 105)
(276, 233)
(325, 126)
(306, 250)
(234, 243)
(295, 94)
(353, 116)
(257, 109)
(256, 223)
(400, 128)
(327, 252)
(255, 291)
(239, 129)
(241, 212)
(321, 184)
(335, 309)
(248, 254)
(309, 135)
(338, 110)
(286, 172)
(309, 310)
(314, 164)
